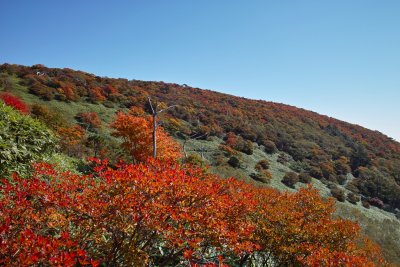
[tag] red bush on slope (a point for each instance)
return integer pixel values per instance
(165, 214)
(15, 102)
(90, 120)
(124, 216)
(30, 226)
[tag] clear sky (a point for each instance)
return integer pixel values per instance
(340, 58)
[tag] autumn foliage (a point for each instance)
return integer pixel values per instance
(14, 102)
(324, 146)
(298, 228)
(163, 214)
(31, 223)
(137, 132)
(122, 216)
(91, 120)
(96, 94)
(160, 213)
(71, 139)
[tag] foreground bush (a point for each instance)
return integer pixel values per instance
(23, 140)
(163, 214)
(132, 216)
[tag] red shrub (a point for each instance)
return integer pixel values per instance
(95, 94)
(30, 227)
(121, 217)
(89, 119)
(15, 102)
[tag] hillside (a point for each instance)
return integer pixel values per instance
(232, 135)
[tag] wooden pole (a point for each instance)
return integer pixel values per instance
(155, 135)
(155, 112)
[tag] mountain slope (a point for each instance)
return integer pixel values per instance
(335, 153)
(316, 141)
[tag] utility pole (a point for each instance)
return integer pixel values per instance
(155, 125)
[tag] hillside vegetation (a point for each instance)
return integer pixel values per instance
(324, 147)
(262, 143)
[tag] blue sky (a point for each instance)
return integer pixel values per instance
(340, 58)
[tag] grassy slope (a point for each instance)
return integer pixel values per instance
(69, 110)
(380, 226)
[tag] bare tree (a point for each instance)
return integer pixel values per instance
(155, 112)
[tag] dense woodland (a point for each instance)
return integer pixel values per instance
(164, 213)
